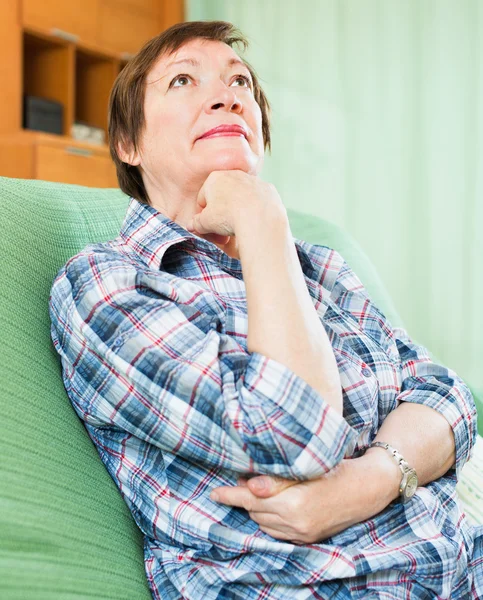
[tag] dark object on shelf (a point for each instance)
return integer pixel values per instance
(42, 115)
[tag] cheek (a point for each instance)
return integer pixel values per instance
(257, 127)
(161, 117)
(161, 132)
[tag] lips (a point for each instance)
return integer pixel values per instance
(225, 129)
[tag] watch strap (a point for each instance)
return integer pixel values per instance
(402, 463)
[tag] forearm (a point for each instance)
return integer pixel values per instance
(425, 439)
(282, 321)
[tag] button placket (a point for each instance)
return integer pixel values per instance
(118, 342)
(449, 531)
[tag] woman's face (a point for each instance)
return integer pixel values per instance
(183, 101)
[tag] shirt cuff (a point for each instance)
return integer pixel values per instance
(458, 408)
(312, 435)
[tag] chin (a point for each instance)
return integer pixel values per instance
(231, 161)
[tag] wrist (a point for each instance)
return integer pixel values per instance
(260, 224)
(383, 476)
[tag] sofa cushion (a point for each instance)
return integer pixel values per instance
(65, 531)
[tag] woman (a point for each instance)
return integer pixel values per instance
(206, 344)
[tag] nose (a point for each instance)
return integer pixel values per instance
(224, 97)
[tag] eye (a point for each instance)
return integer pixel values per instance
(245, 78)
(182, 76)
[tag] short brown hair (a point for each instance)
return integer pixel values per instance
(126, 102)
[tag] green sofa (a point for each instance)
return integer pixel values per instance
(65, 532)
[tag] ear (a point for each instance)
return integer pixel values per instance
(128, 155)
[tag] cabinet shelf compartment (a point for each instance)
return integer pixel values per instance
(48, 66)
(94, 77)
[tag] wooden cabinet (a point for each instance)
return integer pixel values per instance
(75, 20)
(151, 7)
(121, 26)
(124, 28)
(31, 155)
(94, 77)
(73, 164)
(47, 68)
(70, 52)
(10, 68)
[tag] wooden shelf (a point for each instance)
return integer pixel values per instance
(54, 34)
(28, 136)
(94, 78)
(78, 19)
(71, 53)
(47, 72)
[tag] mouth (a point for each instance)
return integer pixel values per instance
(223, 134)
(227, 130)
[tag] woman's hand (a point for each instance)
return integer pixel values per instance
(228, 196)
(311, 511)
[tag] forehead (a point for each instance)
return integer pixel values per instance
(199, 51)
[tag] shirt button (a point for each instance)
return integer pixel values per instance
(449, 531)
(213, 325)
(118, 342)
(366, 372)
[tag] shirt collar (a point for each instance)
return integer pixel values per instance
(150, 233)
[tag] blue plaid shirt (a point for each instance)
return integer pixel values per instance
(151, 328)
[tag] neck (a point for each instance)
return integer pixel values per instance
(180, 205)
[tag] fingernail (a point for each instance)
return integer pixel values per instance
(214, 496)
(259, 484)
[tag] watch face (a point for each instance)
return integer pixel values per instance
(411, 485)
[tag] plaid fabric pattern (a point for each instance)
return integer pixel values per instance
(151, 328)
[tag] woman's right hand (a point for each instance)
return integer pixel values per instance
(227, 199)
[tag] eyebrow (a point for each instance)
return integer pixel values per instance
(196, 63)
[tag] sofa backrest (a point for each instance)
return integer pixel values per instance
(318, 231)
(65, 531)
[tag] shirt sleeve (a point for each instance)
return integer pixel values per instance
(422, 380)
(137, 357)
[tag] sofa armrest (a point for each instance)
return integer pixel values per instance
(470, 485)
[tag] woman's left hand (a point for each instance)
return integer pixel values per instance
(306, 512)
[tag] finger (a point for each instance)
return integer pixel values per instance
(278, 535)
(239, 496)
(217, 238)
(269, 520)
(242, 481)
(201, 197)
(266, 486)
(197, 226)
(274, 522)
(291, 530)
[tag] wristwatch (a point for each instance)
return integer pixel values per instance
(409, 480)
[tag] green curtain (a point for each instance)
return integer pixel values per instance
(378, 126)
